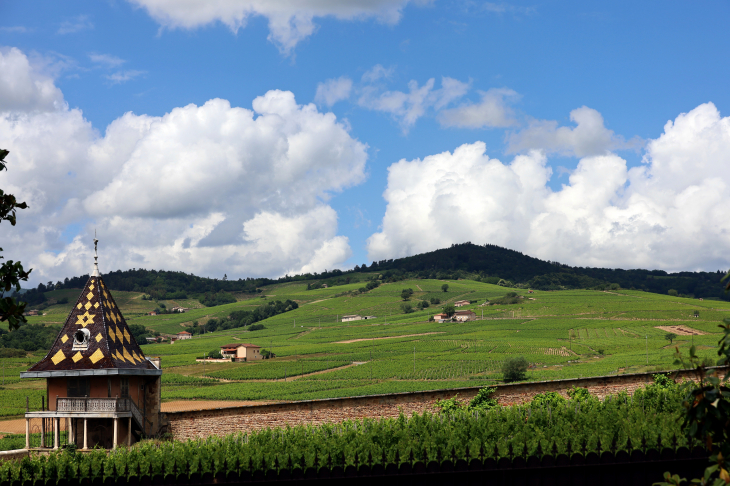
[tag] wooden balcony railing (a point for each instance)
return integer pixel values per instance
(99, 405)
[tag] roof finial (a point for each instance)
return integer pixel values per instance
(96, 258)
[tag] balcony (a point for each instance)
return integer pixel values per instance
(84, 408)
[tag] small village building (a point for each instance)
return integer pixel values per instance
(241, 352)
(179, 309)
(465, 315)
(32, 313)
(151, 339)
(184, 335)
(461, 303)
(441, 317)
(101, 390)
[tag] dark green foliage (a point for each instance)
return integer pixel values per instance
(670, 336)
(407, 308)
(484, 400)
(219, 298)
(256, 327)
(578, 394)
(215, 354)
(435, 301)
(12, 353)
(406, 294)
(139, 332)
(11, 273)
(551, 399)
(494, 433)
(445, 287)
(514, 369)
(508, 299)
(488, 263)
(31, 337)
(672, 292)
(449, 310)
(373, 284)
(244, 318)
(423, 304)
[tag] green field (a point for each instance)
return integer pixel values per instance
(563, 334)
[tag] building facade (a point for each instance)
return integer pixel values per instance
(98, 381)
(241, 352)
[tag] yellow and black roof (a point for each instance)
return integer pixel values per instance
(95, 336)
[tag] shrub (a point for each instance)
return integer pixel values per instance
(672, 292)
(215, 354)
(553, 399)
(407, 308)
(256, 327)
(484, 400)
(514, 369)
(579, 394)
(445, 287)
(435, 301)
(449, 405)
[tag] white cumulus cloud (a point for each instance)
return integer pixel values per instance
(208, 189)
(333, 90)
(408, 107)
(492, 111)
(289, 21)
(588, 137)
(24, 87)
(669, 213)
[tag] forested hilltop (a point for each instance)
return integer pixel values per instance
(488, 263)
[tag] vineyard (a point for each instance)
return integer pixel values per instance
(562, 334)
(650, 419)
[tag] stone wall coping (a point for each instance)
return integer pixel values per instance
(500, 389)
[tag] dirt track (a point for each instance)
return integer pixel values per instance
(387, 337)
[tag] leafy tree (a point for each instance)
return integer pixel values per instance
(670, 336)
(672, 292)
(407, 308)
(406, 294)
(435, 301)
(423, 304)
(514, 369)
(449, 310)
(11, 273)
(445, 287)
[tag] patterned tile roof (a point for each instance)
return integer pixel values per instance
(94, 336)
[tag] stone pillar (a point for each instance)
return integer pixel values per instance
(129, 432)
(27, 433)
(56, 431)
(71, 431)
(86, 433)
(116, 432)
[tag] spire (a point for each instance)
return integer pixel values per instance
(95, 273)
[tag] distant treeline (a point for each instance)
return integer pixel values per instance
(31, 337)
(487, 263)
(245, 318)
(162, 284)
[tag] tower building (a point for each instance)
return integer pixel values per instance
(100, 387)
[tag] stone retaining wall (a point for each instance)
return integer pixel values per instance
(223, 421)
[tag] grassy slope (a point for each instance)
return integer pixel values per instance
(611, 333)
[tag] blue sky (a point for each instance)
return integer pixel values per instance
(620, 190)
